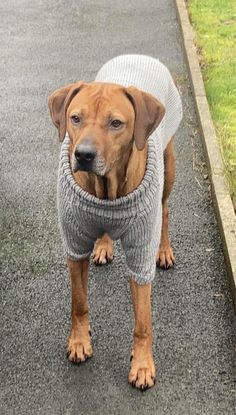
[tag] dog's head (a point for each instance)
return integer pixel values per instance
(103, 120)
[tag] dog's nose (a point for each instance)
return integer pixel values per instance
(85, 153)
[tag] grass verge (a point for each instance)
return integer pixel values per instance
(214, 22)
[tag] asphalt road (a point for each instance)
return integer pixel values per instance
(45, 45)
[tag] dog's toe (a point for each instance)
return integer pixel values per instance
(142, 374)
(103, 251)
(102, 257)
(165, 258)
(79, 349)
(142, 379)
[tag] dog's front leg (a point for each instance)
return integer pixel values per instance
(142, 372)
(79, 344)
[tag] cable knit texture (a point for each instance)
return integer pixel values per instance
(135, 219)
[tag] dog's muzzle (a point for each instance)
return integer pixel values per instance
(86, 158)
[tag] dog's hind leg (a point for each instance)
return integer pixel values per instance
(165, 258)
(79, 344)
(103, 250)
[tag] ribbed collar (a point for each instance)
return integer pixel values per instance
(126, 206)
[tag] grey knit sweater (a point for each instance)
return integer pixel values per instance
(135, 219)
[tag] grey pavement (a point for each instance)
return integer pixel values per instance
(45, 45)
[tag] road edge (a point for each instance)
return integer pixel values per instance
(220, 193)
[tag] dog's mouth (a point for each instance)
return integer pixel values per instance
(81, 166)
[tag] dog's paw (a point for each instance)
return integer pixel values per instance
(142, 374)
(165, 258)
(103, 251)
(79, 348)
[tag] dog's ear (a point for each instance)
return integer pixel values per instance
(148, 114)
(58, 103)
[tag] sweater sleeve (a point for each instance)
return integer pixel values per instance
(77, 245)
(140, 244)
(76, 242)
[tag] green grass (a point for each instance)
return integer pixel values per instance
(214, 22)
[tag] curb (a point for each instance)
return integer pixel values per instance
(222, 202)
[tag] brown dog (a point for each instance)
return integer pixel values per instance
(109, 124)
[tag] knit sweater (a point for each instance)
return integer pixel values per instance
(135, 219)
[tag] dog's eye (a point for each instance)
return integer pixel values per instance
(75, 119)
(116, 124)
